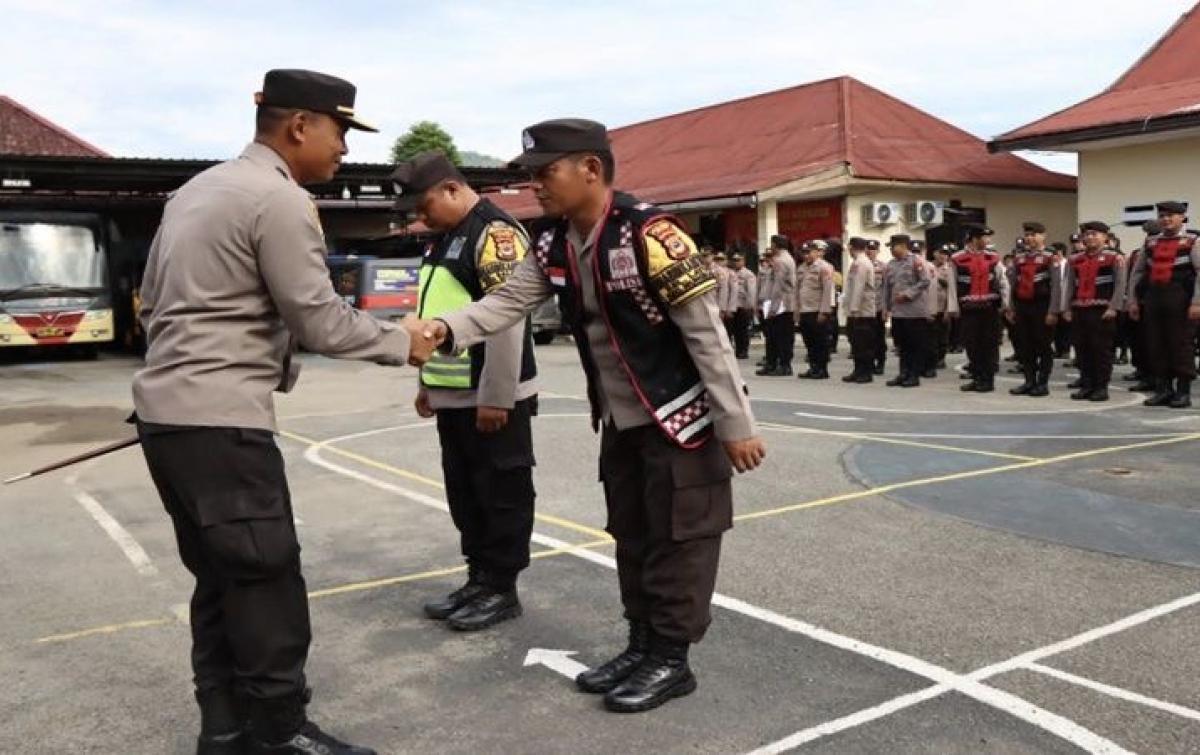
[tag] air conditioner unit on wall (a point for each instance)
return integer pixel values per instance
(880, 213)
(924, 213)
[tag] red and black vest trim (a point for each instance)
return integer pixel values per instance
(1034, 271)
(975, 277)
(1169, 260)
(648, 344)
(1095, 277)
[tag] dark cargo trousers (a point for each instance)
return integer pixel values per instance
(228, 498)
(667, 509)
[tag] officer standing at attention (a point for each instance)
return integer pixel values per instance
(979, 295)
(661, 380)
(780, 319)
(881, 307)
(483, 397)
(1168, 270)
(1093, 294)
(943, 277)
(742, 298)
(1034, 286)
(235, 277)
(860, 303)
(816, 297)
(906, 283)
(766, 282)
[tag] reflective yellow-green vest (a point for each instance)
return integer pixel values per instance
(451, 278)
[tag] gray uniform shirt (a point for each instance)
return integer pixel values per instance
(783, 284)
(906, 285)
(815, 291)
(698, 320)
(236, 270)
(859, 298)
(743, 289)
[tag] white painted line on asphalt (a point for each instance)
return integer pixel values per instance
(1014, 411)
(963, 436)
(1117, 692)
(856, 719)
(125, 541)
(834, 417)
(1071, 643)
(1008, 703)
(1172, 420)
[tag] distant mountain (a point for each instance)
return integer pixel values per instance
(480, 160)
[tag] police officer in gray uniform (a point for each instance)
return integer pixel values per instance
(906, 283)
(662, 381)
(235, 278)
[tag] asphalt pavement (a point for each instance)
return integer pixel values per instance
(912, 571)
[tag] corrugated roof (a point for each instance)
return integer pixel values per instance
(1163, 84)
(759, 142)
(24, 132)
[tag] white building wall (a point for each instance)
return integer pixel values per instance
(1112, 179)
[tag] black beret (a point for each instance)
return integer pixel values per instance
(1075, 238)
(779, 241)
(1093, 225)
(872, 244)
(857, 242)
(899, 238)
(948, 248)
(736, 256)
(1172, 207)
(1033, 226)
(976, 231)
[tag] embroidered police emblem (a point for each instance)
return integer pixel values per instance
(665, 233)
(527, 140)
(506, 244)
(622, 263)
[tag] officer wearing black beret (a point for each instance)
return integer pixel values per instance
(979, 295)
(235, 278)
(1034, 285)
(1093, 295)
(1168, 275)
(662, 381)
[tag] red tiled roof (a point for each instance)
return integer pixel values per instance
(24, 132)
(1163, 84)
(759, 142)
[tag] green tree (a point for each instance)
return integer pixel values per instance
(424, 136)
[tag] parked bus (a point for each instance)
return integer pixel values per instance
(384, 288)
(54, 287)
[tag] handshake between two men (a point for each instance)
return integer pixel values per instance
(424, 337)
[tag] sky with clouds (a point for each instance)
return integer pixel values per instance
(176, 79)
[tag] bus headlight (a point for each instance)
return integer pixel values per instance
(92, 315)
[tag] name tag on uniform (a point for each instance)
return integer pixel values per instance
(456, 247)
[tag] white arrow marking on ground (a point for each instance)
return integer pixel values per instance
(834, 417)
(558, 660)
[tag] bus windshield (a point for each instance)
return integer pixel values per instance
(48, 256)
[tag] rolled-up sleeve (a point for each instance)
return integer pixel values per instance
(291, 260)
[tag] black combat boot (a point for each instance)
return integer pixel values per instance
(897, 381)
(496, 602)
(1041, 386)
(1183, 394)
(1024, 389)
(985, 384)
(609, 674)
(222, 723)
(1163, 393)
(441, 608)
(1098, 394)
(663, 675)
(1084, 392)
(279, 726)
(767, 369)
(911, 380)
(878, 369)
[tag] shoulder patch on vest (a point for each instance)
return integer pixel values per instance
(676, 272)
(502, 249)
